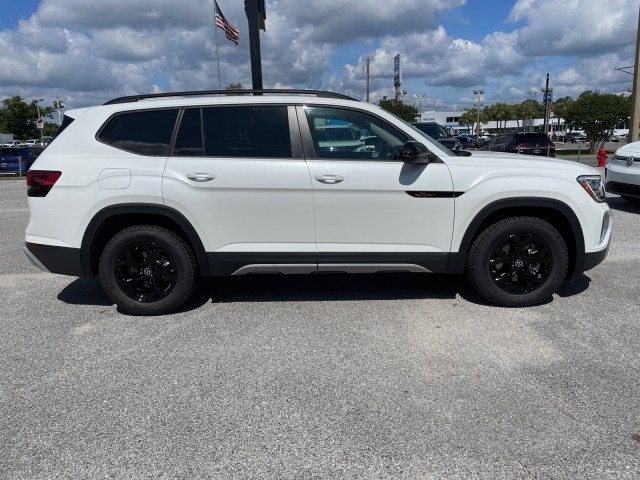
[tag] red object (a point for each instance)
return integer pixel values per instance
(602, 156)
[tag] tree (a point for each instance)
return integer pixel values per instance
(500, 112)
(19, 117)
(399, 109)
(526, 111)
(561, 107)
(235, 86)
(468, 118)
(597, 113)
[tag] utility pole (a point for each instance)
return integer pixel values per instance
(368, 80)
(546, 106)
(256, 15)
(634, 129)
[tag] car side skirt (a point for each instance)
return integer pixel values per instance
(224, 264)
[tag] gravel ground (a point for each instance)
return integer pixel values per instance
(361, 376)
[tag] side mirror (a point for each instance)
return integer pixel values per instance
(415, 153)
(462, 153)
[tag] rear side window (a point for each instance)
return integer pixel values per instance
(146, 133)
(244, 131)
(35, 151)
(9, 152)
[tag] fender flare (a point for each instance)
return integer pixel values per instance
(457, 260)
(137, 209)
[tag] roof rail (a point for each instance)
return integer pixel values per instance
(317, 93)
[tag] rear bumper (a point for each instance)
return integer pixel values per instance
(53, 259)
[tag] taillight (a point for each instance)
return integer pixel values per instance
(39, 182)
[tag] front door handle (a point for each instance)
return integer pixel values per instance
(329, 179)
(201, 177)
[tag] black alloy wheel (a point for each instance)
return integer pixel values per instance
(147, 270)
(518, 261)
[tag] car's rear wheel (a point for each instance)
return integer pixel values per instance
(147, 270)
(518, 261)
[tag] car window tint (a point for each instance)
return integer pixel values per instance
(246, 131)
(189, 139)
(145, 133)
(10, 152)
(340, 133)
(35, 151)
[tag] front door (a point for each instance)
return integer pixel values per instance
(372, 211)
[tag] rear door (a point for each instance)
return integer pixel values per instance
(238, 174)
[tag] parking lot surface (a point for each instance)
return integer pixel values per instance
(336, 376)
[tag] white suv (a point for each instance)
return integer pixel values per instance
(622, 173)
(150, 192)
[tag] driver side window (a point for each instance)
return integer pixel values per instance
(351, 135)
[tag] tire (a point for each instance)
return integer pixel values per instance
(518, 262)
(147, 270)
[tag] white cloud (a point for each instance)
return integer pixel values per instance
(574, 27)
(90, 51)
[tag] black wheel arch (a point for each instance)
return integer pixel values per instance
(112, 219)
(555, 212)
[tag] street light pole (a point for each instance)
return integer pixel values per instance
(478, 93)
(58, 108)
(532, 94)
(37, 102)
(420, 97)
(634, 127)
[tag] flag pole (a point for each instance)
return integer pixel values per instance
(215, 28)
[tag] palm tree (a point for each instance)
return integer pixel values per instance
(468, 118)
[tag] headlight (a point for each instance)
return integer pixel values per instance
(593, 185)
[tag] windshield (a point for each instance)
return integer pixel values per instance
(335, 134)
(433, 130)
(429, 137)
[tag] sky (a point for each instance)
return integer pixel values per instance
(88, 51)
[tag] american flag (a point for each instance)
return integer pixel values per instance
(230, 31)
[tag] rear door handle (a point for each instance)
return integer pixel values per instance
(201, 177)
(329, 179)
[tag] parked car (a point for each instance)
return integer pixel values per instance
(33, 142)
(466, 142)
(12, 163)
(622, 172)
(338, 138)
(27, 154)
(439, 134)
(525, 143)
(152, 191)
(12, 143)
(576, 137)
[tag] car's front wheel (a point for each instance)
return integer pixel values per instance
(147, 270)
(518, 261)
